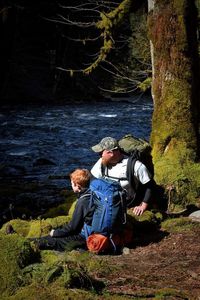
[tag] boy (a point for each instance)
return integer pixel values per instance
(71, 235)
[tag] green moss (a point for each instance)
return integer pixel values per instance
(51, 257)
(50, 292)
(179, 224)
(21, 227)
(35, 228)
(16, 253)
(91, 262)
(147, 221)
(146, 84)
(63, 271)
(169, 293)
(181, 181)
(58, 221)
(39, 228)
(173, 137)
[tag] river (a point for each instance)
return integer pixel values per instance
(43, 143)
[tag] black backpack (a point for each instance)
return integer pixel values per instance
(140, 149)
(136, 149)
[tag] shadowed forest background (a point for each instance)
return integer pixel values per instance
(46, 45)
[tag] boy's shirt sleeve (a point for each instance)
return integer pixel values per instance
(77, 221)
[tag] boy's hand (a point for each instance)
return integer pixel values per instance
(52, 232)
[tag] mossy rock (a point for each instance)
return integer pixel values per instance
(21, 227)
(147, 221)
(16, 253)
(35, 228)
(181, 182)
(179, 224)
(42, 227)
(58, 221)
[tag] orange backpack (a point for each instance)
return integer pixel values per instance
(98, 243)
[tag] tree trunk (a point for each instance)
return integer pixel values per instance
(175, 124)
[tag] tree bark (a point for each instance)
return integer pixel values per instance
(175, 123)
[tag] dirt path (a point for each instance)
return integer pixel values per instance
(170, 264)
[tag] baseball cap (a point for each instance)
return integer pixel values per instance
(107, 143)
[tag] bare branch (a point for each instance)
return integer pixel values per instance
(83, 40)
(78, 24)
(119, 91)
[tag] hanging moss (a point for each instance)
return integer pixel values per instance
(109, 22)
(145, 85)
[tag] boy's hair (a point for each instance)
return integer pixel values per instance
(81, 177)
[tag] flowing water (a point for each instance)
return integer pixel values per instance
(42, 144)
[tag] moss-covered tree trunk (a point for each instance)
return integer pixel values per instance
(175, 124)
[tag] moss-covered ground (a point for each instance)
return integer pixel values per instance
(162, 262)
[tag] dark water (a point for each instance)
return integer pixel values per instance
(40, 143)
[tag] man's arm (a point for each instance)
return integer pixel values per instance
(138, 210)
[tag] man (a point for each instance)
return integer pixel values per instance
(112, 164)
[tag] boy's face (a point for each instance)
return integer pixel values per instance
(76, 188)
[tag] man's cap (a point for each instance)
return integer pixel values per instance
(107, 143)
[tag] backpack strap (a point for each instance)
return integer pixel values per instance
(130, 172)
(86, 230)
(104, 172)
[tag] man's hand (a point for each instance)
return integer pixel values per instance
(138, 210)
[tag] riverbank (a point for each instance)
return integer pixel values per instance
(162, 263)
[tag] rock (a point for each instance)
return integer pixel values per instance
(126, 251)
(195, 216)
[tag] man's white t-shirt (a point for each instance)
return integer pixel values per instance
(118, 172)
